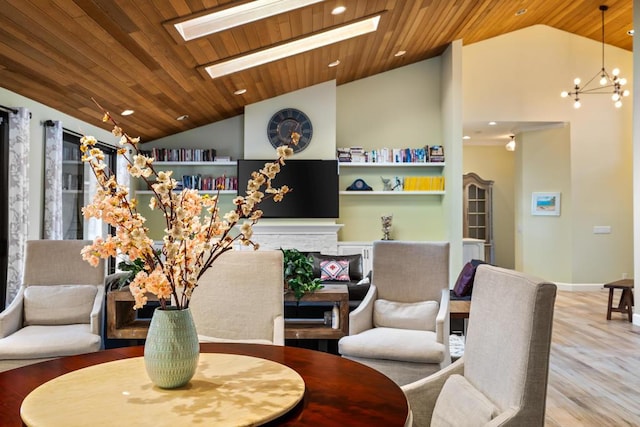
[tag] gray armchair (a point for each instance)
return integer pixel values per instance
(58, 309)
(241, 299)
(502, 378)
(401, 328)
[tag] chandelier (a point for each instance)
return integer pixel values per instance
(610, 84)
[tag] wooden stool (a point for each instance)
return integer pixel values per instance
(626, 299)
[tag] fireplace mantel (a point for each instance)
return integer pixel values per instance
(304, 237)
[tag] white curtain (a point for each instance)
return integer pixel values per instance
(53, 181)
(18, 199)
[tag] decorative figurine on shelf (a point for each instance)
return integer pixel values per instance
(386, 184)
(386, 226)
(359, 185)
(391, 185)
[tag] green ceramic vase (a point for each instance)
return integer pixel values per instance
(171, 350)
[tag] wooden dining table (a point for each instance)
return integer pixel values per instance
(337, 391)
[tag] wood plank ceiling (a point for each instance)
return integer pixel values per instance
(64, 52)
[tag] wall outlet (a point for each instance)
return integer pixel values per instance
(624, 275)
(601, 229)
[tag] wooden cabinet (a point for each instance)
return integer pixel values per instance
(477, 211)
(363, 248)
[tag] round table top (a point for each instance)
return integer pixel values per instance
(227, 390)
(338, 391)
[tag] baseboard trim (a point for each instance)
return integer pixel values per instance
(579, 287)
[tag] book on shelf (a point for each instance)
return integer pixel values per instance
(436, 153)
(423, 183)
(181, 154)
(209, 183)
(344, 154)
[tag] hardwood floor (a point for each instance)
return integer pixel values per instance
(594, 374)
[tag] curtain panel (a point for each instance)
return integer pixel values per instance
(18, 217)
(53, 181)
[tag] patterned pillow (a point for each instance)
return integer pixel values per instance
(332, 269)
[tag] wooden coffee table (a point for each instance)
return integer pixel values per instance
(318, 330)
(459, 309)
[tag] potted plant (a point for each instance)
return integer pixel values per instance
(298, 273)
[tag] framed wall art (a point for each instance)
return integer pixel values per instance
(545, 204)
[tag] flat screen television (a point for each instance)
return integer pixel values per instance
(314, 184)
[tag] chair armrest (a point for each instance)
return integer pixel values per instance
(442, 318)
(361, 319)
(422, 394)
(11, 317)
(443, 326)
(278, 330)
(96, 312)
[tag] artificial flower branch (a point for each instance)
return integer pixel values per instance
(195, 235)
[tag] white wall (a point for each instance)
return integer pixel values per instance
(317, 102)
(39, 114)
(544, 242)
(397, 109)
(518, 77)
(226, 136)
(636, 155)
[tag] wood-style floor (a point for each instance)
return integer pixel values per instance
(594, 374)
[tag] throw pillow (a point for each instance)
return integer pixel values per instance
(460, 404)
(58, 304)
(419, 316)
(355, 264)
(464, 283)
(334, 270)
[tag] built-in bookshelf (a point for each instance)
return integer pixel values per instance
(393, 178)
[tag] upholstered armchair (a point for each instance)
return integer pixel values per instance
(401, 328)
(241, 299)
(502, 378)
(58, 309)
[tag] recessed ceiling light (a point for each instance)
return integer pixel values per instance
(630, 32)
(231, 17)
(492, 123)
(240, 92)
(521, 12)
(466, 137)
(182, 117)
(292, 48)
(127, 113)
(338, 10)
(334, 63)
(400, 53)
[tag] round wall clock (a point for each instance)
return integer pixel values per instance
(284, 124)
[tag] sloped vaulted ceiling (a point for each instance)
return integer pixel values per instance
(64, 52)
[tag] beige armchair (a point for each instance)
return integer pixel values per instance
(502, 378)
(241, 299)
(401, 328)
(58, 309)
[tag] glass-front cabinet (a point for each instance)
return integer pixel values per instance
(477, 211)
(78, 187)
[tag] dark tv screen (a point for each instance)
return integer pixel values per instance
(314, 185)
